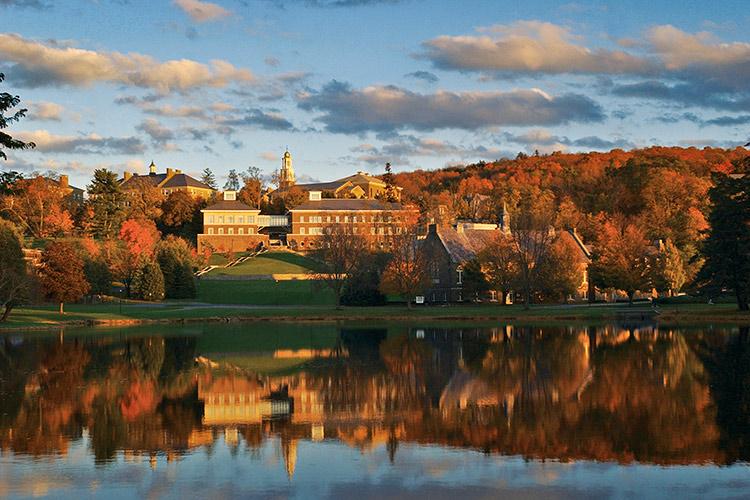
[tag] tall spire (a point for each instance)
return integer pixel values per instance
(152, 168)
(286, 174)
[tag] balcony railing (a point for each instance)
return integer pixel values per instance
(273, 220)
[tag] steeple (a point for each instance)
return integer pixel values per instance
(504, 220)
(152, 168)
(286, 174)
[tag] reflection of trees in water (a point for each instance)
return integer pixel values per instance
(562, 393)
(727, 360)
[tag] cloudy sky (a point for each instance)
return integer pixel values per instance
(350, 84)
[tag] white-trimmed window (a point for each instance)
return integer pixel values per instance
(316, 230)
(302, 230)
(221, 219)
(240, 231)
(372, 230)
(302, 218)
(240, 219)
(230, 219)
(328, 218)
(221, 230)
(210, 230)
(459, 275)
(230, 230)
(337, 219)
(251, 230)
(251, 219)
(210, 219)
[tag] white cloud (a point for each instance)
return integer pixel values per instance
(45, 111)
(47, 142)
(38, 64)
(202, 12)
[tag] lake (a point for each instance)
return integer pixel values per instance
(373, 411)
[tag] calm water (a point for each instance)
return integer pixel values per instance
(360, 411)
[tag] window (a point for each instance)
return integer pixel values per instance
(251, 219)
(328, 218)
(221, 230)
(250, 230)
(230, 219)
(316, 218)
(316, 230)
(337, 219)
(460, 275)
(230, 230)
(221, 219)
(240, 231)
(240, 220)
(210, 230)
(354, 218)
(302, 230)
(302, 218)
(346, 218)
(372, 230)
(210, 219)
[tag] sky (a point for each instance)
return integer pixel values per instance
(348, 85)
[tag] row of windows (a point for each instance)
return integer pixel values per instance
(230, 230)
(373, 230)
(343, 218)
(219, 219)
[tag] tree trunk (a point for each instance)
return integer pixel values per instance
(6, 313)
(62, 310)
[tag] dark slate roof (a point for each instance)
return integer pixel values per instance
(320, 186)
(155, 179)
(347, 204)
(361, 178)
(464, 246)
(230, 205)
(182, 180)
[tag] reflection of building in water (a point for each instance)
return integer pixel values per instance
(239, 400)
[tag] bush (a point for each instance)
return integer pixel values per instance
(99, 276)
(363, 289)
(183, 283)
(148, 282)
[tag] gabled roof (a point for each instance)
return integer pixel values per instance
(348, 204)
(230, 205)
(321, 186)
(154, 180)
(362, 178)
(184, 180)
(465, 245)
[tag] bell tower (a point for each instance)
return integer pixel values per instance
(286, 174)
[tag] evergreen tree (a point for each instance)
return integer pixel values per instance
(8, 101)
(183, 282)
(208, 178)
(107, 202)
(98, 276)
(474, 283)
(233, 181)
(176, 260)
(390, 188)
(727, 246)
(148, 282)
(14, 285)
(670, 273)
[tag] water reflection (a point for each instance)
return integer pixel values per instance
(655, 396)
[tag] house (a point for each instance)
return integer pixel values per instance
(72, 193)
(357, 186)
(449, 249)
(370, 217)
(231, 226)
(168, 182)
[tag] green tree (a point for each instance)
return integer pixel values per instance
(390, 187)
(474, 281)
(61, 273)
(148, 282)
(14, 281)
(107, 202)
(233, 181)
(8, 182)
(176, 260)
(726, 248)
(98, 276)
(208, 178)
(670, 274)
(7, 102)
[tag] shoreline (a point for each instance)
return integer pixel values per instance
(621, 315)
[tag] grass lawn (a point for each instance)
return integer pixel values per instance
(683, 314)
(263, 292)
(269, 263)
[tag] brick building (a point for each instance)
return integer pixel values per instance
(370, 217)
(231, 226)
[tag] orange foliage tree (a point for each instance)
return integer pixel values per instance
(61, 274)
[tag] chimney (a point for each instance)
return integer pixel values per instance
(432, 229)
(170, 173)
(64, 181)
(460, 228)
(315, 195)
(178, 171)
(126, 176)
(230, 195)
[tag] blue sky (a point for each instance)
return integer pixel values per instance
(350, 84)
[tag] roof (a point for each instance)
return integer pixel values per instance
(320, 186)
(230, 205)
(465, 245)
(180, 180)
(177, 180)
(360, 178)
(348, 204)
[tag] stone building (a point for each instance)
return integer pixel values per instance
(168, 182)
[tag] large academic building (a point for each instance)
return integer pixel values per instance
(167, 182)
(231, 226)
